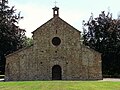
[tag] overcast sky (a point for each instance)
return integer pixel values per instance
(37, 12)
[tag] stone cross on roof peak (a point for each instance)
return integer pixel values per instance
(55, 3)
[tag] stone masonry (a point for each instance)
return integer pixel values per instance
(56, 54)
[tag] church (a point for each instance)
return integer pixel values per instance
(57, 53)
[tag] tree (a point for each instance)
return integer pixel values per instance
(27, 42)
(103, 35)
(11, 35)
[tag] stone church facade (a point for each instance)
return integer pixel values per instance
(56, 54)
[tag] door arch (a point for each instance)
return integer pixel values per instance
(56, 72)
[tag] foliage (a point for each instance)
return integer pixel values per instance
(60, 85)
(27, 42)
(103, 35)
(11, 35)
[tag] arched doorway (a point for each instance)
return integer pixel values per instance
(56, 72)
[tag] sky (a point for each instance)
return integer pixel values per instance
(37, 12)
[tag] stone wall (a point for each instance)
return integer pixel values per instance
(92, 65)
(18, 65)
(35, 63)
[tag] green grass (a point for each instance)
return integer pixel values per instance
(60, 85)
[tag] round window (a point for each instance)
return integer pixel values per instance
(56, 41)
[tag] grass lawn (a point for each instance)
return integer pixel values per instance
(60, 85)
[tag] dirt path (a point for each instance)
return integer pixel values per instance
(111, 79)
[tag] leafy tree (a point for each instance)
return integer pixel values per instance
(103, 35)
(11, 35)
(27, 42)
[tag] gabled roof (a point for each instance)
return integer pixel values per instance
(70, 25)
(56, 19)
(42, 25)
